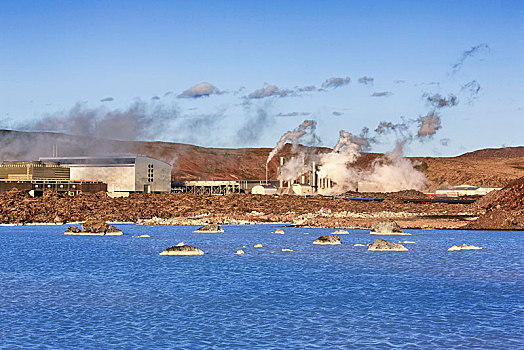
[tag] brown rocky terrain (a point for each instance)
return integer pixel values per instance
(19, 207)
(504, 209)
(500, 210)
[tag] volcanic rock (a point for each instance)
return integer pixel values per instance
(463, 246)
(328, 240)
(72, 229)
(388, 227)
(384, 246)
(211, 228)
(182, 250)
(94, 228)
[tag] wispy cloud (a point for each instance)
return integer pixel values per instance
(467, 54)
(382, 94)
(366, 80)
(293, 114)
(335, 82)
(107, 99)
(200, 90)
(269, 91)
(438, 101)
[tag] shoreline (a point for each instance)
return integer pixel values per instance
(18, 208)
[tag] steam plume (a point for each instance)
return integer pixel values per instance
(429, 124)
(293, 136)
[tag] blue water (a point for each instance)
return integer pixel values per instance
(70, 292)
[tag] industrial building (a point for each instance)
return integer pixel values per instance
(465, 190)
(33, 170)
(36, 188)
(37, 177)
(123, 174)
(306, 184)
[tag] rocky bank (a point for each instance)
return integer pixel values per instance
(17, 207)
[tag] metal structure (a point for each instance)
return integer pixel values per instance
(33, 170)
(38, 187)
(209, 187)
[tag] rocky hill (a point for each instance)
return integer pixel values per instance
(504, 209)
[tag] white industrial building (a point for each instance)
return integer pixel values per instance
(465, 190)
(122, 174)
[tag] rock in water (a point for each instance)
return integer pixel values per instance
(279, 231)
(464, 246)
(72, 230)
(388, 227)
(340, 232)
(211, 228)
(258, 245)
(385, 246)
(94, 228)
(240, 252)
(182, 250)
(328, 240)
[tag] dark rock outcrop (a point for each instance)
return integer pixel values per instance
(388, 227)
(211, 228)
(328, 240)
(383, 245)
(182, 250)
(73, 229)
(94, 228)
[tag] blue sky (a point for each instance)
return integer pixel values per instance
(57, 54)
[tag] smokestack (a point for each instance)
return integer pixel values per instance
(313, 180)
(280, 171)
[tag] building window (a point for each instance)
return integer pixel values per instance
(150, 174)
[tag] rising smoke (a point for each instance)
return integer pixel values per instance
(308, 126)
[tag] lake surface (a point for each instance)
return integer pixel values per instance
(73, 292)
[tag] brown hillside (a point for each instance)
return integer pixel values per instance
(194, 162)
(505, 152)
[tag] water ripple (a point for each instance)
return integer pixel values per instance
(61, 292)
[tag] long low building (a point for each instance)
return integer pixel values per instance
(36, 188)
(123, 174)
(465, 190)
(33, 170)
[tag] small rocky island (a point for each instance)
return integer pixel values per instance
(388, 227)
(210, 228)
(382, 245)
(328, 240)
(464, 246)
(182, 250)
(94, 228)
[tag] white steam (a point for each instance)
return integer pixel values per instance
(293, 136)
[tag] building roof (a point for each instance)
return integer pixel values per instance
(98, 160)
